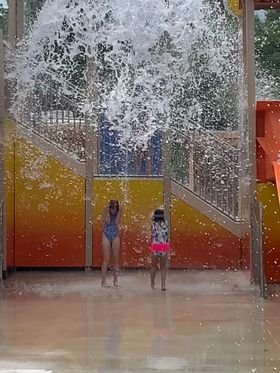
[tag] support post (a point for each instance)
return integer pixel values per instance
(89, 194)
(2, 98)
(91, 153)
(12, 24)
(20, 19)
(250, 72)
(15, 21)
(244, 200)
(15, 34)
(191, 165)
(3, 265)
(167, 174)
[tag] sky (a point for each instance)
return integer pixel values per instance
(4, 2)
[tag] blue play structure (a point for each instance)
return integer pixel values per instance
(117, 160)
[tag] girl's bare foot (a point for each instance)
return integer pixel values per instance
(153, 284)
(116, 279)
(105, 285)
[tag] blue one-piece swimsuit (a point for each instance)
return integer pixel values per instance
(111, 229)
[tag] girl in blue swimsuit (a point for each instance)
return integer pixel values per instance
(111, 240)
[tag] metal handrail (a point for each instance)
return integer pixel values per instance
(65, 98)
(45, 111)
(209, 168)
(209, 133)
(52, 73)
(206, 134)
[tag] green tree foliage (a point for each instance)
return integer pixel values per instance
(32, 8)
(212, 88)
(268, 48)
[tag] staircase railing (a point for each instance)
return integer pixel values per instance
(51, 78)
(60, 120)
(201, 161)
(55, 117)
(208, 167)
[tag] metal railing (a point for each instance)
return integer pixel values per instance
(51, 78)
(54, 117)
(59, 120)
(201, 161)
(208, 167)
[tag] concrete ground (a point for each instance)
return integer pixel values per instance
(206, 321)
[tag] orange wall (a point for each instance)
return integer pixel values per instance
(268, 135)
(197, 242)
(267, 194)
(272, 127)
(49, 211)
(139, 198)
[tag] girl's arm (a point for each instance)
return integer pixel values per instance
(152, 231)
(106, 215)
(166, 230)
(168, 240)
(118, 218)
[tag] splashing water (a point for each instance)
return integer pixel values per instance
(149, 65)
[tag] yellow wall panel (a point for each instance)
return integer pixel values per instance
(49, 210)
(197, 242)
(267, 194)
(139, 198)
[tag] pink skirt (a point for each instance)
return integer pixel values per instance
(160, 247)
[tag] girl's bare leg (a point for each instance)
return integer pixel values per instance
(106, 246)
(163, 271)
(154, 270)
(116, 254)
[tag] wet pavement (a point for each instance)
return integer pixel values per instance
(206, 321)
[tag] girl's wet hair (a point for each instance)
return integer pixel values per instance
(114, 204)
(158, 215)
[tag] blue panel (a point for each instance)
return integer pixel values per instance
(156, 153)
(114, 160)
(109, 149)
(104, 139)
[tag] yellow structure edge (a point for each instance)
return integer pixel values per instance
(233, 7)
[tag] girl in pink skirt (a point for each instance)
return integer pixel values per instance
(159, 247)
